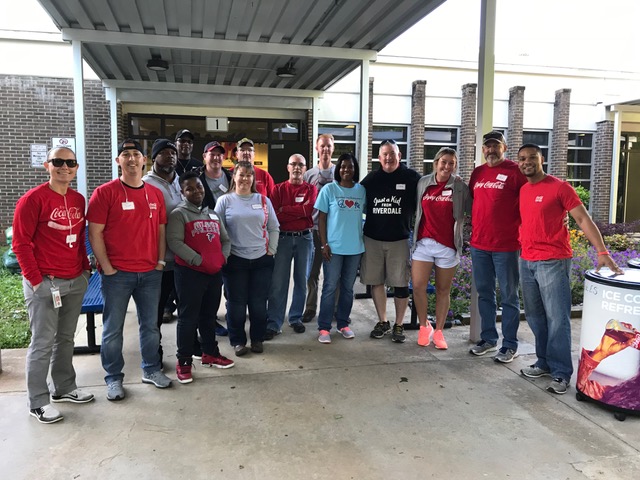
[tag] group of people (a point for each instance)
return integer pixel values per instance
(197, 230)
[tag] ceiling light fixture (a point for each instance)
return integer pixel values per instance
(157, 64)
(287, 71)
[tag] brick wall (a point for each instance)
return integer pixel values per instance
(34, 109)
(601, 171)
(312, 141)
(560, 140)
(467, 140)
(516, 117)
(416, 140)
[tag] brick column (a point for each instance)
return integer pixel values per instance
(467, 140)
(560, 141)
(516, 115)
(600, 199)
(370, 140)
(312, 141)
(416, 140)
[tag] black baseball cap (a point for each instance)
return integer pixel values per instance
(211, 146)
(184, 133)
(494, 136)
(130, 144)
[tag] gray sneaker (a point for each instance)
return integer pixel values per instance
(482, 347)
(158, 378)
(532, 371)
(505, 355)
(115, 391)
(558, 386)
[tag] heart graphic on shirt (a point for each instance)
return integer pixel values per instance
(349, 203)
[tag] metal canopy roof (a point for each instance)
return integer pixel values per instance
(219, 46)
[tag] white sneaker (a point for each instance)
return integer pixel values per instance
(75, 396)
(46, 414)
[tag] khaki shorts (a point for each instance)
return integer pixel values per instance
(385, 263)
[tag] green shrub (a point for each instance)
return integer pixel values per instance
(619, 242)
(14, 321)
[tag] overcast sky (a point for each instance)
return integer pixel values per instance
(595, 34)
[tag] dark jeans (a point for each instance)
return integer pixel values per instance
(166, 288)
(198, 302)
(248, 283)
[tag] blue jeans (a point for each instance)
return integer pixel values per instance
(117, 289)
(487, 266)
(340, 271)
(546, 290)
(290, 248)
(248, 283)
(199, 297)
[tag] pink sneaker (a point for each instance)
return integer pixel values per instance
(439, 341)
(424, 335)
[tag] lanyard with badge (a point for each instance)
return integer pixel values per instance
(127, 205)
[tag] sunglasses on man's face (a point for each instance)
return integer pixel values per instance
(58, 162)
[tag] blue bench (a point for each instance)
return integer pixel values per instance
(91, 304)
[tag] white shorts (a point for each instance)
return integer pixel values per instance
(428, 250)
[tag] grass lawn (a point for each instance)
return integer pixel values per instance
(14, 321)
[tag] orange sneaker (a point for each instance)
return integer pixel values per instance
(424, 335)
(439, 341)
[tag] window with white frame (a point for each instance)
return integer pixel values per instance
(540, 138)
(399, 134)
(579, 158)
(434, 139)
(344, 137)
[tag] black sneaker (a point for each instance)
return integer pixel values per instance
(257, 347)
(298, 327)
(398, 334)
(270, 335)
(380, 330)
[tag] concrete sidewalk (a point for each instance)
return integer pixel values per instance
(355, 409)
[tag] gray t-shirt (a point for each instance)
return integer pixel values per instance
(218, 186)
(251, 224)
(319, 178)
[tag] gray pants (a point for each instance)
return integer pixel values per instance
(313, 276)
(52, 332)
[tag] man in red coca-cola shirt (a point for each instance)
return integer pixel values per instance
(495, 219)
(48, 240)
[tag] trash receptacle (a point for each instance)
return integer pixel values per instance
(609, 366)
(634, 263)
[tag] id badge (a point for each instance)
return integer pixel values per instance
(71, 238)
(128, 206)
(55, 296)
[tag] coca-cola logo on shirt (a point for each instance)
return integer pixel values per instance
(488, 184)
(60, 213)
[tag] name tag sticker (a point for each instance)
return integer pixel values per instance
(223, 188)
(128, 206)
(401, 186)
(256, 206)
(213, 216)
(299, 199)
(502, 177)
(446, 193)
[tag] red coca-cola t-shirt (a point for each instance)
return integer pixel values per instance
(437, 215)
(543, 208)
(495, 216)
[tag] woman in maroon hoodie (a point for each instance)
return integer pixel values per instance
(201, 245)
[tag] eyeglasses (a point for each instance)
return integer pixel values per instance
(297, 164)
(58, 162)
(388, 142)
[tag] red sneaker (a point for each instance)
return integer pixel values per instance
(183, 372)
(218, 361)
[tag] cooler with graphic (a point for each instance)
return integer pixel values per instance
(609, 368)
